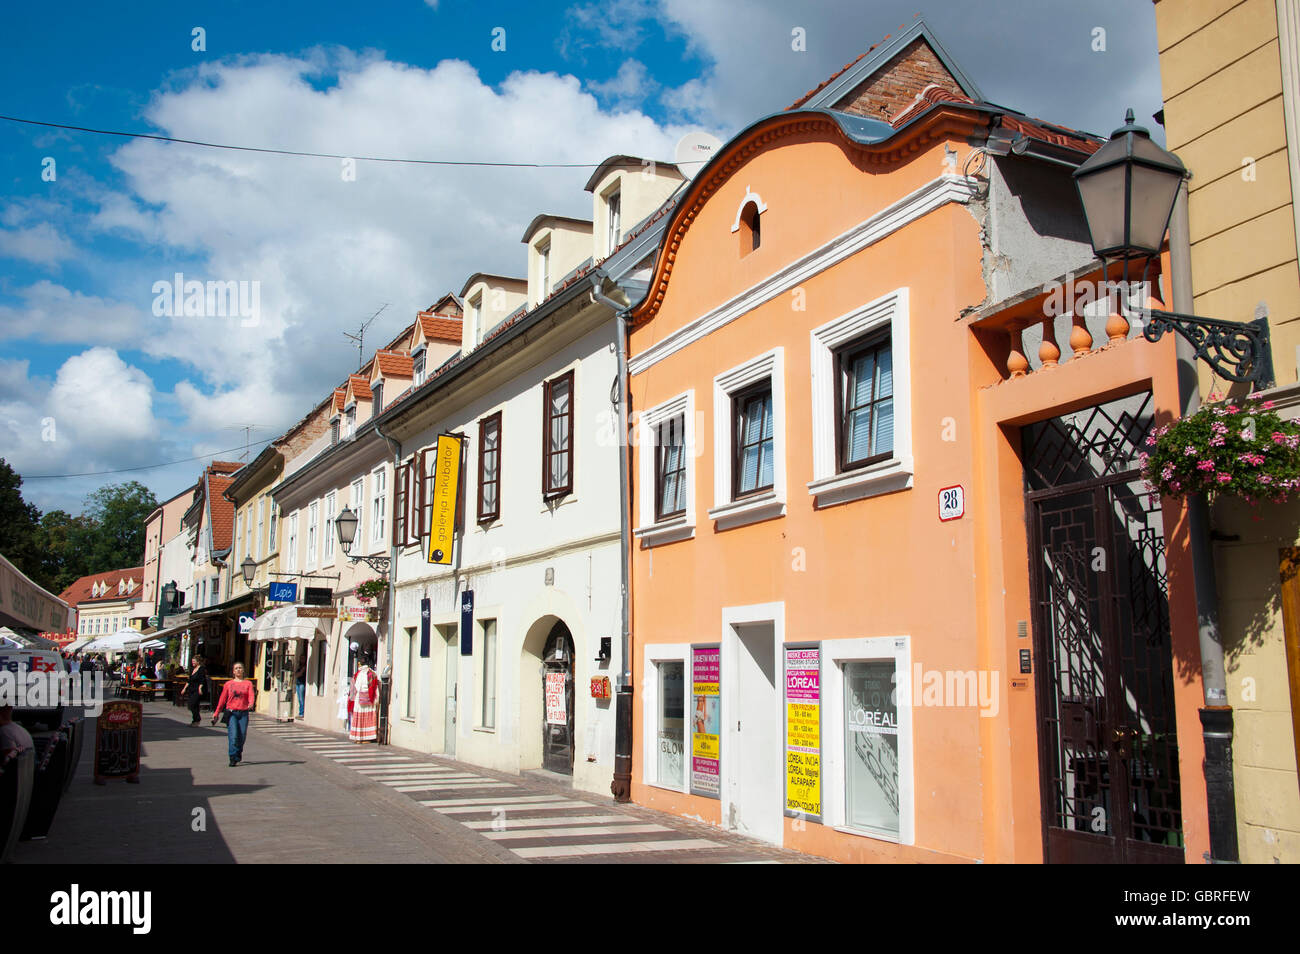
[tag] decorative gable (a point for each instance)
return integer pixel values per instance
(897, 84)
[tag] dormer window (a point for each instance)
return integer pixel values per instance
(334, 432)
(349, 420)
(614, 217)
(377, 390)
(417, 367)
(476, 318)
(543, 270)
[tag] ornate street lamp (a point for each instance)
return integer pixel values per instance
(346, 526)
(1128, 188)
(249, 569)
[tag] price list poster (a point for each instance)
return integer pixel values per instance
(803, 783)
(706, 721)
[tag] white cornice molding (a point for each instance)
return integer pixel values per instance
(933, 195)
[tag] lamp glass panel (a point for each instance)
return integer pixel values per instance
(1154, 193)
(1102, 194)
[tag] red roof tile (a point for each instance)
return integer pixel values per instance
(222, 512)
(394, 364)
(225, 466)
(340, 397)
(359, 384)
(80, 591)
(440, 327)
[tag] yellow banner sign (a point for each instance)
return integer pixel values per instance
(446, 491)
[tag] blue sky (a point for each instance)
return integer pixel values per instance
(79, 255)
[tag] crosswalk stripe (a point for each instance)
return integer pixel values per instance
(359, 759)
(446, 777)
(549, 819)
(614, 848)
(457, 784)
(453, 807)
(508, 833)
(373, 769)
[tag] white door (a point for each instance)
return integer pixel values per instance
(755, 758)
(452, 661)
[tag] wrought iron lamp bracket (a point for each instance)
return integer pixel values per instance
(1237, 351)
(379, 564)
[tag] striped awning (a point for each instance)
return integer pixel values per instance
(284, 623)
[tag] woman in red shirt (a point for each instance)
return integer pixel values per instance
(237, 698)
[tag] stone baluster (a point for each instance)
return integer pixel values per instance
(1017, 363)
(1048, 352)
(1080, 337)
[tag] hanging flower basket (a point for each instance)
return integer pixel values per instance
(1241, 448)
(371, 590)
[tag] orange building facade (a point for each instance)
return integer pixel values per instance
(896, 593)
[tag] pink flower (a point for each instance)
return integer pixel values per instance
(1217, 441)
(1189, 451)
(1255, 459)
(1167, 473)
(1223, 478)
(1219, 427)
(1176, 486)
(1278, 437)
(1265, 479)
(1151, 440)
(1268, 405)
(1205, 465)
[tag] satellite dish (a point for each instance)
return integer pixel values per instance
(694, 150)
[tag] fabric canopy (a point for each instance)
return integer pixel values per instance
(283, 623)
(77, 643)
(153, 644)
(18, 641)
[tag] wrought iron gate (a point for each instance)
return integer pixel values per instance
(1108, 746)
(557, 701)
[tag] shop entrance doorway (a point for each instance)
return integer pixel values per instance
(451, 657)
(752, 752)
(557, 697)
(1108, 741)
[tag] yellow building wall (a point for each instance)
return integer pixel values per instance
(1225, 116)
(1221, 77)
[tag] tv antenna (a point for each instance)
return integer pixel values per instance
(360, 336)
(248, 431)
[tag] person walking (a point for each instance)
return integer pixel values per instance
(237, 699)
(300, 681)
(364, 725)
(197, 688)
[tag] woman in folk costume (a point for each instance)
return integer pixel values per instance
(364, 726)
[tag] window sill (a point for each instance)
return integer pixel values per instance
(667, 531)
(873, 835)
(669, 788)
(885, 477)
(485, 729)
(763, 506)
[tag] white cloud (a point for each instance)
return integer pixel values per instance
(51, 313)
(40, 244)
(631, 86)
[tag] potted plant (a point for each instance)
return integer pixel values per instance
(1228, 447)
(371, 590)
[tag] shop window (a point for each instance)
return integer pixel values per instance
(671, 767)
(321, 647)
(412, 659)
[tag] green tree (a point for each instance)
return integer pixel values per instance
(117, 513)
(18, 524)
(63, 541)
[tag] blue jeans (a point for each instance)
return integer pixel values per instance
(236, 733)
(302, 696)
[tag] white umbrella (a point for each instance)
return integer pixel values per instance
(124, 640)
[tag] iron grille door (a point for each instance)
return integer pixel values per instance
(1108, 750)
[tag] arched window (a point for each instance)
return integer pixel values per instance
(751, 235)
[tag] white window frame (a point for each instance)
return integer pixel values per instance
(292, 555)
(313, 519)
(248, 532)
(261, 529)
(273, 512)
(834, 653)
(350, 420)
(770, 503)
(476, 318)
(357, 499)
(235, 543)
(419, 356)
(613, 234)
(829, 487)
(327, 542)
(653, 654)
(378, 504)
(681, 527)
(484, 670)
(543, 269)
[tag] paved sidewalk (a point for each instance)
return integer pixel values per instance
(303, 796)
(534, 818)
